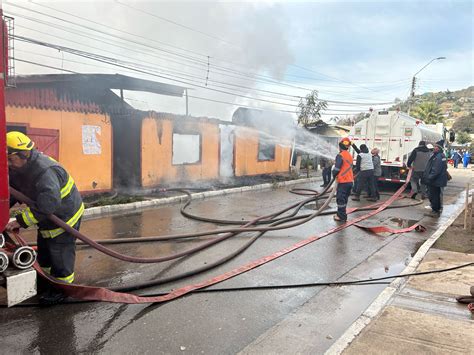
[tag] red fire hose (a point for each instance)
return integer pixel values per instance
(103, 294)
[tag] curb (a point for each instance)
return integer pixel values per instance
(381, 301)
(138, 206)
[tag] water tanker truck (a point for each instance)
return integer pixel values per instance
(395, 134)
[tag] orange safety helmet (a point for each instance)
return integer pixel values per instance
(345, 141)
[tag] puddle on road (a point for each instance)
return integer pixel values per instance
(402, 222)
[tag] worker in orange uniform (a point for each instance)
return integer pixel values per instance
(345, 179)
(46, 182)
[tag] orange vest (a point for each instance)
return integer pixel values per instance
(345, 174)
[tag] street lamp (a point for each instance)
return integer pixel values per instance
(413, 81)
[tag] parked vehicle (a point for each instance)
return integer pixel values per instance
(396, 134)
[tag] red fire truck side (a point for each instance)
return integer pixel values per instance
(4, 195)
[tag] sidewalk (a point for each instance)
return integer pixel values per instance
(422, 316)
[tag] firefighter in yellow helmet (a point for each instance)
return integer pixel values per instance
(47, 183)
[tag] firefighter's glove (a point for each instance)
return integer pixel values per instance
(11, 226)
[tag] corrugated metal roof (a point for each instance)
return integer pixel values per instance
(48, 99)
(102, 81)
(81, 92)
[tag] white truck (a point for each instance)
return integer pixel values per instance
(395, 134)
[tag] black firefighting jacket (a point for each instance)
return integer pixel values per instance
(47, 183)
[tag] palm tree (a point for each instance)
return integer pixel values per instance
(429, 112)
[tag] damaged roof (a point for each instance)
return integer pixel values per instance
(88, 93)
(102, 81)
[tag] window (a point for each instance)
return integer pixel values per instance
(186, 148)
(266, 148)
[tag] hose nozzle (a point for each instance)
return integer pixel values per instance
(3, 261)
(23, 257)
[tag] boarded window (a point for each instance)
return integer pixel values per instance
(186, 148)
(266, 148)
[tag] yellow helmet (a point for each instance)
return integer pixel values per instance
(17, 142)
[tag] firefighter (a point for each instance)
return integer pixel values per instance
(46, 182)
(343, 173)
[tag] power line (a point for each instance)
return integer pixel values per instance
(191, 96)
(106, 33)
(44, 65)
(114, 60)
(190, 58)
(224, 41)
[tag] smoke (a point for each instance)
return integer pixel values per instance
(281, 128)
(243, 36)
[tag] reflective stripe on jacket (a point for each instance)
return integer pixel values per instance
(47, 183)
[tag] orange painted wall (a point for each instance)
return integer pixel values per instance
(156, 151)
(246, 155)
(85, 169)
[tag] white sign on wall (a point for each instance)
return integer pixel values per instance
(90, 141)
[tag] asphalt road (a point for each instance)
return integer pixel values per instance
(281, 320)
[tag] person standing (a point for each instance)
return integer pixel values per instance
(417, 162)
(365, 173)
(46, 182)
(456, 159)
(377, 171)
(343, 173)
(435, 177)
(325, 164)
(466, 158)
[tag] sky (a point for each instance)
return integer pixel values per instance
(261, 54)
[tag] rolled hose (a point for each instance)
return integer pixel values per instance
(23, 257)
(4, 261)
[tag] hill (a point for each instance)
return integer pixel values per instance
(455, 105)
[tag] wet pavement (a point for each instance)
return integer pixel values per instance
(224, 322)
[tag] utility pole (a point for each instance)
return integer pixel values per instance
(413, 82)
(412, 94)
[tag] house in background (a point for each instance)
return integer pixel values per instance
(78, 120)
(262, 141)
(107, 144)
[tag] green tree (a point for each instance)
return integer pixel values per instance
(429, 112)
(463, 138)
(309, 113)
(309, 109)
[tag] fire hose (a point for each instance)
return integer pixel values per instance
(94, 293)
(22, 257)
(228, 232)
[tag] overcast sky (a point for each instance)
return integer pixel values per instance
(260, 53)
